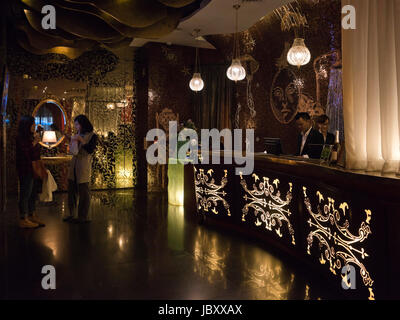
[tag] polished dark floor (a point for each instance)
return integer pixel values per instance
(138, 247)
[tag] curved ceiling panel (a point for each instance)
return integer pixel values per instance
(133, 13)
(159, 29)
(70, 52)
(35, 20)
(176, 3)
(44, 42)
(85, 25)
(112, 23)
(118, 44)
(79, 23)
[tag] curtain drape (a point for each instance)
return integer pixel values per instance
(371, 86)
(213, 105)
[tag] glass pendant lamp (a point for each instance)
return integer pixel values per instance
(197, 83)
(299, 55)
(236, 72)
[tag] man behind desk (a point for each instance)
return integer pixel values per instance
(310, 141)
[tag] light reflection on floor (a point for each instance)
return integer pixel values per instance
(143, 248)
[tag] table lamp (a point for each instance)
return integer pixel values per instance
(49, 137)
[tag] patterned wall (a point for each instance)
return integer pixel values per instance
(111, 107)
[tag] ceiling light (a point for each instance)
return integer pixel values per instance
(236, 72)
(196, 83)
(299, 55)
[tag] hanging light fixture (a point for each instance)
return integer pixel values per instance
(197, 83)
(236, 72)
(299, 55)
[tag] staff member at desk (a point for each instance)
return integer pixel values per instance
(323, 126)
(310, 141)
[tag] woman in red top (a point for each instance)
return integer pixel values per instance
(27, 151)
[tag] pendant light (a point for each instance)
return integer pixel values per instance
(298, 55)
(236, 72)
(197, 83)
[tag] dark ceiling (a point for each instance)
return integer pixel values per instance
(81, 25)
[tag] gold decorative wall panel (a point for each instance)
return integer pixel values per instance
(269, 207)
(337, 245)
(208, 193)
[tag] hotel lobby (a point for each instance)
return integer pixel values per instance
(212, 150)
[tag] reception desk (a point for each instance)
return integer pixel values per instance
(324, 218)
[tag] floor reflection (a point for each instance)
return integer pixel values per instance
(139, 247)
(176, 227)
(210, 257)
(266, 276)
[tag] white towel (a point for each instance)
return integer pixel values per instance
(48, 187)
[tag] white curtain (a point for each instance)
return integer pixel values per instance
(371, 86)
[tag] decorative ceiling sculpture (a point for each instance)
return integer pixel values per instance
(83, 24)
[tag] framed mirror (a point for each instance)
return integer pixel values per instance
(51, 122)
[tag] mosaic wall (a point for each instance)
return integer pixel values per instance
(111, 108)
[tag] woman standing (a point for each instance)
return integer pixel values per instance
(83, 145)
(27, 151)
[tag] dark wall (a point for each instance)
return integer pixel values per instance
(170, 69)
(3, 53)
(265, 42)
(167, 74)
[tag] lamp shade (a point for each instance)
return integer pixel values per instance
(236, 72)
(197, 83)
(299, 55)
(49, 137)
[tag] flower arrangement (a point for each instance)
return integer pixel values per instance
(189, 124)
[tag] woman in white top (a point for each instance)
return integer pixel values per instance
(83, 145)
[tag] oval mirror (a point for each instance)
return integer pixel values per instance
(50, 121)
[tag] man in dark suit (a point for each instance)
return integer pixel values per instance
(310, 141)
(323, 126)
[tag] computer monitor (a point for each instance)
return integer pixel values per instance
(315, 150)
(273, 146)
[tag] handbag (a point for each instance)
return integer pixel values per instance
(48, 187)
(39, 170)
